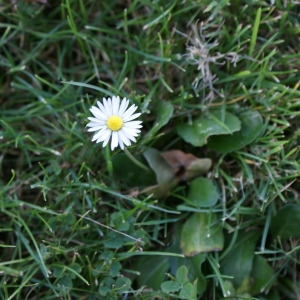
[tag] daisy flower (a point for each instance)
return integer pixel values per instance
(113, 120)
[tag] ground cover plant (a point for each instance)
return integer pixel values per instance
(204, 204)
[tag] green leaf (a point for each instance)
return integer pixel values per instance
(44, 252)
(203, 193)
(115, 268)
(76, 268)
(106, 286)
(215, 123)
(229, 288)
(114, 241)
(181, 275)
(188, 291)
(122, 285)
(164, 173)
(193, 264)
(202, 232)
(129, 173)
(255, 32)
(120, 223)
(262, 274)
(152, 270)
(285, 223)
(62, 223)
(252, 125)
(65, 284)
(170, 287)
(198, 167)
(164, 112)
(57, 272)
(104, 290)
(238, 263)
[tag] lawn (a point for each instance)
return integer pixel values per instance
(149, 149)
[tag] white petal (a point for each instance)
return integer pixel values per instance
(107, 106)
(113, 98)
(129, 118)
(96, 137)
(130, 131)
(129, 111)
(101, 107)
(95, 128)
(114, 140)
(123, 106)
(133, 124)
(98, 123)
(124, 138)
(121, 144)
(104, 135)
(99, 134)
(105, 142)
(97, 113)
(115, 105)
(93, 119)
(132, 138)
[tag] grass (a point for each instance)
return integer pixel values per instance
(82, 222)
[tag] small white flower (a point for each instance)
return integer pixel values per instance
(113, 120)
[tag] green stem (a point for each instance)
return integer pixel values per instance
(135, 161)
(108, 161)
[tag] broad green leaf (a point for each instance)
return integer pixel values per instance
(202, 232)
(164, 113)
(170, 287)
(120, 223)
(238, 263)
(188, 291)
(57, 272)
(44, 252)
(115, 268)
(104, 290)
(65, 284)
(203, 193)
(76, 268)
(215, 123)
(193, 264)
(181, 275)
(62, 223)
(198, 167)
(106, 286)
(122, 285)
(165, 176)
(164, 173)
(245, 287)
(252, 124)
(262, 275)
(285, 223)
(129, 173)
(113, 242)
(152, 270)
(229, 288)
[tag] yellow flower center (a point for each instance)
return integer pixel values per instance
(114, 123)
